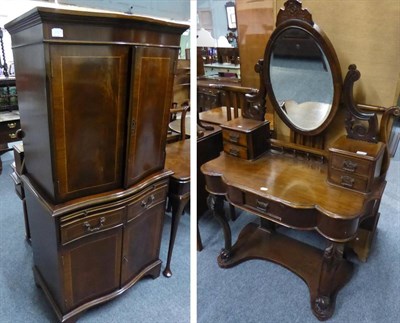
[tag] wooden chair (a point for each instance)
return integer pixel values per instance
(179, 133)
(233, 100)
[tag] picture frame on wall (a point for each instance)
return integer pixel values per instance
(231, 15)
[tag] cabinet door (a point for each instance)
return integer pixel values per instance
(88, 117)
(151, 99)
(142, 235)
(91, 267)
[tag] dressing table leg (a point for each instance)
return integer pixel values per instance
(216, 205)
(334, 274)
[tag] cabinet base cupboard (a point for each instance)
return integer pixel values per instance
(94, 90)
(89, 251)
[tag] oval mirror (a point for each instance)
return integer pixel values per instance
(302, 76)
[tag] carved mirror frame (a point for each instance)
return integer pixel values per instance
(293, 16)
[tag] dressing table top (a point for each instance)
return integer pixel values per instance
(289, 180)
(293, 190)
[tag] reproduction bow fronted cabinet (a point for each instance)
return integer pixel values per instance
(95, 89)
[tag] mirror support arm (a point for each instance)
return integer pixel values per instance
(256, 103)
(355, 127)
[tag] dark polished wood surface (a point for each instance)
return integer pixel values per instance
(209, 146)
(285, 180)
(291, 190)
(178, 161)
(94, 139)
(100, 251)
(288, 185)
(100, 65)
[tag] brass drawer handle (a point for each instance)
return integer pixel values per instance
(347, 181)
(349, 166)
(234, 137)
(147, 203)
(88, 227)
(234, 152)
(13, 135)
(262, 206)
(11, 125)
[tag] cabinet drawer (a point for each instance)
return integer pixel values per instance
(350, 165)
(8, 131)
(237, 138)
(278, 212)
(235, 150)
(146, 201)
(90, 224)
(352, 181)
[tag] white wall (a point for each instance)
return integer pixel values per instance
(172, 9)
(217, 7)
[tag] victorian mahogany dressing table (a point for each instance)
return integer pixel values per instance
(335, 192)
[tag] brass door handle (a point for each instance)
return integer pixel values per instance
(234, 137)
(347, 181)
(234, 152)
(89, 228)
(262, 206)
(11, 125)
(147, 203)
(349, 166)
(13, 135)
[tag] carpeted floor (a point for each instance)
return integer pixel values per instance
(161, 300)
(260, 291)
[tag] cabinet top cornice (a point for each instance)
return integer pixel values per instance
(91, 16)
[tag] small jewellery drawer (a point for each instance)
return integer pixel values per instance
(355, 164)
(351, 165)
(245, 138)
(236, 151)
(352, 181)
(146, 201)
(235, 137)
(90, 224)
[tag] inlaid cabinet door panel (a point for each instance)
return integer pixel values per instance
(92, 268)
(142, 238)
(151, 99)
(89, 117)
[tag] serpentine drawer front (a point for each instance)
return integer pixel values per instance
(90, 223)
(273, 210)
(147, 201)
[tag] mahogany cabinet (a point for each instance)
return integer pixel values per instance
(91, 250)
(87, 83)
(95, 89)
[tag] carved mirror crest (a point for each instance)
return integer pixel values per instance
(301, 71)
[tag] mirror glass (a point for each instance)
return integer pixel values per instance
(301, 79)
